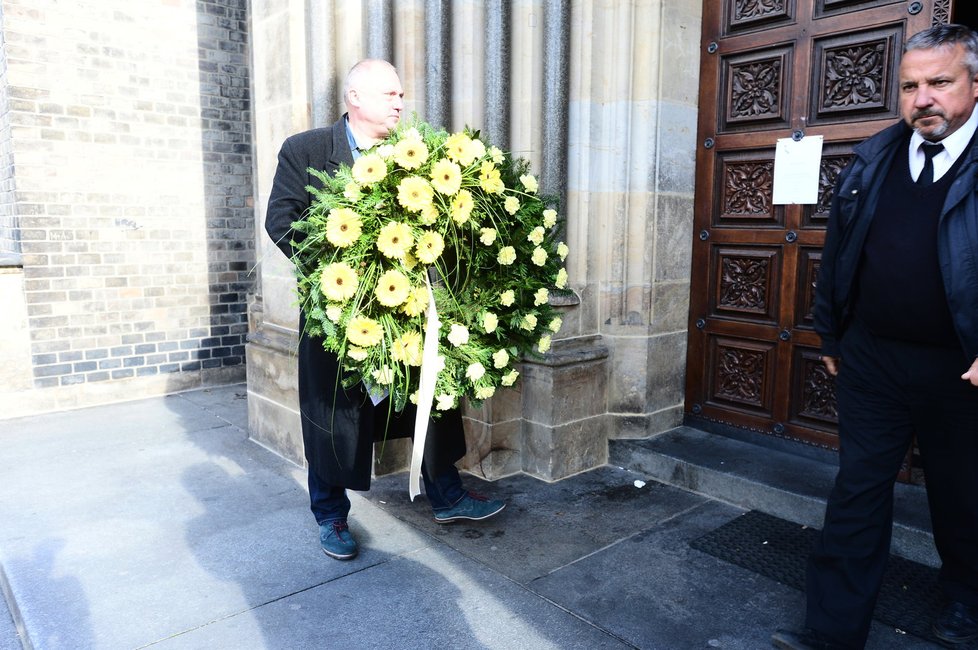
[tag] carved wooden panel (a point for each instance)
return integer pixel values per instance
(747, 283)
(746, 192)
(817, 216)
(813, 397)
(809, 260)
(742, 372)
(942, 12)
(831, 7)
(748, 14)
(756, 88)
(856, 74)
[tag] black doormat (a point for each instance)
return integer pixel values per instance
(909, 599)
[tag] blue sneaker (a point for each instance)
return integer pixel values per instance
(336, 540)
(472, 506)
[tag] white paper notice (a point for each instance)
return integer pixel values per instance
(796, 166)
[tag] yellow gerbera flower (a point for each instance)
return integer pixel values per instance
(430, 247)
(459, 148)
(489, 179)
(407, 348)
(410, 153)
(338, 282)
(446, 177)
(414, 193)
(369, 169)
(364, 332)
(395, 240)
(461, 208)
(416, 302)
(392, 288)
(343, 227)
(507, 255)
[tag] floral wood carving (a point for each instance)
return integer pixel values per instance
(743, 283)
(756, 89)
(748, 188)
(752, 9)
(740, 375)
(854, 75)
(818, 393)
(828, 172)
(942, 12)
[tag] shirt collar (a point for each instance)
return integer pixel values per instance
(358, 143)
(957, 142)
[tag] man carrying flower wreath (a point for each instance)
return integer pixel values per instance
(340, 425)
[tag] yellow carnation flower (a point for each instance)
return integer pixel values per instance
(555, 324)
(487, 236)
(414, 193)
(489, 322)
(392, 288)
(458, 335)
(338, 282)
(369, 169)
(355, 353)
(444, 402)
(475, 371)
(333, 313)
(430, 247)
(510, 378)
(539, 256)
(529, 183)
(496, 154)
(541, 296)
(484, 392)
(416, 302)
(544, 344)
(549, 218)
(407, 348)
(478, 149)
(500, 359)
(561, 280)
(507, 255)
(384, 376)
(343, 227)
(507, 298)
(562, 251)
(536, 235)
(395, 240)
(459, 148)
(529, 322)
(352, 192)
(461, 207)
(385, 151)
(446, 177)
(410, 153)
(364, 332)
(511, 204)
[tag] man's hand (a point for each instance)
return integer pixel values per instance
(832, 365)
(972, 374)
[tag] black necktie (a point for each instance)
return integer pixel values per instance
(927, 175)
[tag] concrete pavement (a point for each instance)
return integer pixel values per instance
(157, 523)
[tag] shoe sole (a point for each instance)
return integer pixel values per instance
(952, 643)
(341, 556)
(448, 520)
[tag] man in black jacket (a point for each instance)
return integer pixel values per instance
(340, 426)
(896, 308)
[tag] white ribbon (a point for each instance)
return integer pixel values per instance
(426, 390)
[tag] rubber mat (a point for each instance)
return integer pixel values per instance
(909, 599)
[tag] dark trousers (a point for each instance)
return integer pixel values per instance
(887, 392)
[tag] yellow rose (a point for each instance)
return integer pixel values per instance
(430, 247)
(364, 332)
(511, 204)
(536, 235)
(395, 240)
(490, 322)
(416, 301)
(509, 378)
(343, 227)
(410, 153)
(458, 335)
(561, 280)
(369, 169)
(544, 344)
(529, 322)
(392, 288)
(549, 218)
(562, 251)
(555, 324)
(339, 282)
(414, 193)
(507, 298)
(485, 392)
(461, 207)
(541, 296)
(487, 236)
(407, 348)
(507, 255)
(529, 183)
(446, 177)
(500, 359)
(539, 256)
(355, 353)
(475, 371)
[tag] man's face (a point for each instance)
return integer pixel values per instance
(376, 101)
(937, 92)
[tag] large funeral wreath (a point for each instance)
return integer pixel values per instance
(422, 209)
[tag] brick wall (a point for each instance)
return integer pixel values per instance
(130, 126)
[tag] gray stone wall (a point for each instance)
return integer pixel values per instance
(130, 126)
(9, 240)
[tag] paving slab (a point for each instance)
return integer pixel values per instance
(433, 598)
(9, 638)
(545, 525)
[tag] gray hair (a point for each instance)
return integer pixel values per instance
(358, 71)
(947, 36)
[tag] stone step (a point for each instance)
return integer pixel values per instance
(774, 481)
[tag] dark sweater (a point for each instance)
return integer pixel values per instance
(901, 292)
